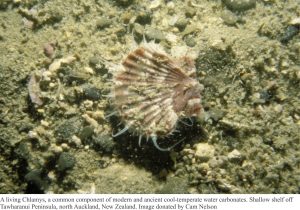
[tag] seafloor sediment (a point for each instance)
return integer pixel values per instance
(55, 83)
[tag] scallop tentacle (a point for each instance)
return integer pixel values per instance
(154, 141)
(187, 124)
(110, 114)
(140, 140)
(121, 132)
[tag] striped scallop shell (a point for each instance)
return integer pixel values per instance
(152, 91)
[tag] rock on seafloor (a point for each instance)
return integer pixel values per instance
(204, 151)
(65, 162)
(239, 5)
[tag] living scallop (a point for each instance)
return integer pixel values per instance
(151, 91)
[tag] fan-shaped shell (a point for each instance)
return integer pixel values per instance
(151, 90)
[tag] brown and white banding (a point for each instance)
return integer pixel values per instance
(151, 91)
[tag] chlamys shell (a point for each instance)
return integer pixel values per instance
(151, 91)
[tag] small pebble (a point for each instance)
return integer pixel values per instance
(143, 18)
(56, 149)
(103, 22)
(34, 89)
(204, 151)
(190, 41)
(216, 114)
(88, 104)
(86, 133)
(172, 38)
(181, 23)
(76, 141)
(28, 23)
(155, 4)
(152, 33)
(295, 21)
(239, 5)
(65, 146)
(278, 108)
(65, 162)
(37, 179)
(93, 61)
(190, 12)
(139, 31)
(229, 18)
(104, 142)
(124, 3)
(234, 155)
(88, 70)
(49, 50)
(44, 123)
(189, 29)
(96, 63)
(32, 135)
(91, 93)
(289, 33)
(67, 128)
